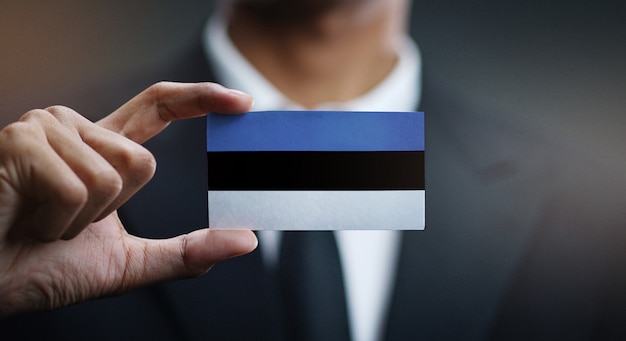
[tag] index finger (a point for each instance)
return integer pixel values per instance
(148, 113)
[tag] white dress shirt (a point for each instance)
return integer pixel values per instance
(368, 258)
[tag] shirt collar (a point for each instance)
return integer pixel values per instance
(399, 91)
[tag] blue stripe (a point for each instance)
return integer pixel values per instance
(316, 131)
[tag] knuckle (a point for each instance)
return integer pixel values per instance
(15, 130)
(58, 110)
(51, 115)
(144, 165)
(36, 115)
(62, 113)
(156, 92)
(106, 183)
(20, 137)
(73, 196)
(159, 86)
(137, 162)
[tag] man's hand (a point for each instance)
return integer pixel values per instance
(62, 179)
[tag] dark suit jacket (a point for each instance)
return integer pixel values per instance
(523, 240)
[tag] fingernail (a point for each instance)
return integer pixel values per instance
(238, 92)
(242, 95)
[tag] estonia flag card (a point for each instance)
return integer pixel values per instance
(316, 170)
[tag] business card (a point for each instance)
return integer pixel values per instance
(316, 170)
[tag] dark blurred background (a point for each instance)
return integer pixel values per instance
(51, 51)
(561, 63)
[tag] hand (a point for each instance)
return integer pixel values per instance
(62, 179)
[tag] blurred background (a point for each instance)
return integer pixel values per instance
(51, 51)
(561, 63)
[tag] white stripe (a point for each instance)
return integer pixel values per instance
(317, 210)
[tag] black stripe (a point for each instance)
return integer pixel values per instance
(395, 170)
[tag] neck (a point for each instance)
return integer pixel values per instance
(333, 55)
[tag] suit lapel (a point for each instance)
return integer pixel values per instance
(451, 277)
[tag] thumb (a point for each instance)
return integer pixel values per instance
(185, 256)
